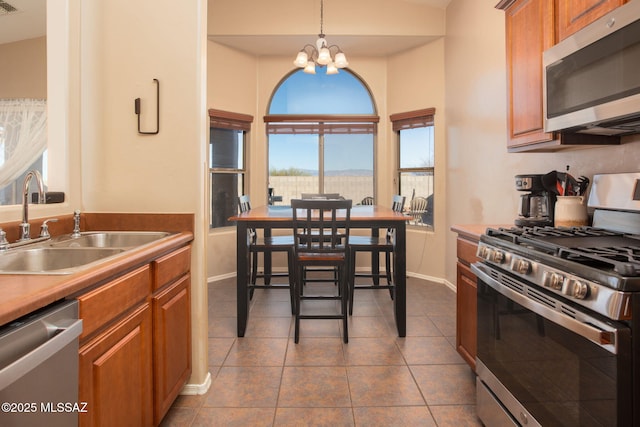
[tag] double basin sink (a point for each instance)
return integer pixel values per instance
(66, 254)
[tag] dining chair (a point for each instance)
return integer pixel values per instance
(266, 245)
(367, 201)
(374, 245)
(331, 219)
(315, 277)
(320, 196)
(417, 208)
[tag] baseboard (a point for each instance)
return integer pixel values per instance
(221, 277)
(450, 285)
(433, 279)
(197, 389)
(445, 282)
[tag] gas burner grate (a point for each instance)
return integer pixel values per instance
(533, 232)
(625, 260)
(595, 247)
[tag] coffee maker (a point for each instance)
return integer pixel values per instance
(537, 205)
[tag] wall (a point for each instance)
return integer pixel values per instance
(480, 183)
(395, 87)
(269, 71)
(26, 77)
(63, 111)
(123, 50)
(417, 81)
(232, 86)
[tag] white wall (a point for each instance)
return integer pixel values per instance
(417, 81)
(125, 45)
(27, 75)
(480, 183)
(463, 76)
(231, 86)
(406, 89)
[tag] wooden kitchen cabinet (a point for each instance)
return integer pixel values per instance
(466, 301)
(530, 30)
(115, 373)
(171, 328)
(576, 14)
(135, 349)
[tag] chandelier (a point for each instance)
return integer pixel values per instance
(321, 54)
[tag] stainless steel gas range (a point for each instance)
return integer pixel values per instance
(557, 312)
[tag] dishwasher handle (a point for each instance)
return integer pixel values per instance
(64, 332)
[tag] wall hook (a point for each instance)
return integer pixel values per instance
(137, 108)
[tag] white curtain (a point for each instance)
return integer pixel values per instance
(23, 136)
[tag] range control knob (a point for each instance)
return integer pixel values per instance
(497, 257)
(553, 281)
(483, 252)
(521, 266)
(579, 289)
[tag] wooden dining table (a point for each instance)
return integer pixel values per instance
(372, 217)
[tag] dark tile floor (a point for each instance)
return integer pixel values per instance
(377, 379)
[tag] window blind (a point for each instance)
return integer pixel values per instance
(412, 119)
(227, 120)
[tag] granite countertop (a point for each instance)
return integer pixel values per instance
(24, 293)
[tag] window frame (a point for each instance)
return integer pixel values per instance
(422, 118)
(321, 125)
(227, 120)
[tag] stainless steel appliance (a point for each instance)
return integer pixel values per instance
(557, 313)
(537, 204)
(591, 80)
(39, 368)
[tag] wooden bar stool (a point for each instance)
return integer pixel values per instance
(267, 245)
(321, 233)
(376, 246)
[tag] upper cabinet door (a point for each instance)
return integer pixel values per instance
(576, 14)
(531, 28)
(529, 31)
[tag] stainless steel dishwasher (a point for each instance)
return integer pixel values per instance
(39, 368)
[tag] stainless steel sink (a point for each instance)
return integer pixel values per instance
(47, 260)
(66, 254)
(110, 239)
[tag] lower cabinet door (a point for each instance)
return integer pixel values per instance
(171, 343)
(466, 313)
(115, 373)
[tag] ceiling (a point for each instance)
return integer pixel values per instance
(27, 22)
(278, 45)
(30, 21)
(351, 45)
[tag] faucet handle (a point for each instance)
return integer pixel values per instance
(4, 243)
(76, 224)
(44, 229)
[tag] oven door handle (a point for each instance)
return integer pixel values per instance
(594, 330)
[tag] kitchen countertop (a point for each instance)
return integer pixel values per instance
(24, 293)
(474, 231)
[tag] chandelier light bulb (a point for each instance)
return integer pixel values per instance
(341, 60)
(324, 56)
(301, 59)
(310, 68)
(320, 54)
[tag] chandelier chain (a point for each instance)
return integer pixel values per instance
(321, 53)
(321, 17)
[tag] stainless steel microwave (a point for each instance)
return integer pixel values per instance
(591, 80)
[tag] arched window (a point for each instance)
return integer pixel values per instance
(321, 133)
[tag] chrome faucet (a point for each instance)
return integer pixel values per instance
(25, 228)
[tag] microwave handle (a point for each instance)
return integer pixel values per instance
(606, 339)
